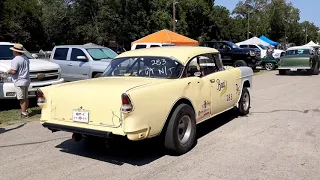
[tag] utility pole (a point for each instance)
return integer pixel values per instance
(174, 15)
(306, 34)
(248, 26)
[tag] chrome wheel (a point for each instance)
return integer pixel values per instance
(184, 129)
(269, 66)
(246, 101)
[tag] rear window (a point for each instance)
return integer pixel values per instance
(298, 51)
(61, 53)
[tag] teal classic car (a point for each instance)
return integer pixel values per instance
(300, 58)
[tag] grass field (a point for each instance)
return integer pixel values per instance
(10, 110)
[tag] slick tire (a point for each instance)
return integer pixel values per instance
(180, 134)
(245, 102)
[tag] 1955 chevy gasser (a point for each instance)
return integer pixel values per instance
(147, 93)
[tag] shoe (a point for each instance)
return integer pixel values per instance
(24, 116)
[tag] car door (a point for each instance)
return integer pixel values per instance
(78, 65)
(60, 57)
(222, 84)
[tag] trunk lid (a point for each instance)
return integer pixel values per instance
(100, 97)
(295, 61)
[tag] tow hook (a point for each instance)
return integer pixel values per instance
(76, 137)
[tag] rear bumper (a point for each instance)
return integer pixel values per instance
(293, 67)
(86, 131)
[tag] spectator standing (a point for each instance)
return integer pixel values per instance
(20, 77)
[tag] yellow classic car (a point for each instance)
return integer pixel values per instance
(156, 92)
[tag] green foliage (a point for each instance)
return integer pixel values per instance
(46, 23)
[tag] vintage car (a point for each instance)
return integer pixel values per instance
(154, 92)
(299, 58)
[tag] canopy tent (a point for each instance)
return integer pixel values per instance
(312, 44)
(253, 40)
(264, 38)
(166, 36)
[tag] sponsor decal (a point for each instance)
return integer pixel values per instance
(222, 87)
(205, 110)
(237, 89)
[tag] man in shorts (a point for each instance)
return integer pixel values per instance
(20, 77)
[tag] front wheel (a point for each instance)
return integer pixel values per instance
(240, 63)
(180, 133)
(245, 102)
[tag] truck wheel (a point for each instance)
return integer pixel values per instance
(97, 75)
(244, 103)
(282, 72)
(180, 133)
(240, 63)
(269, 66)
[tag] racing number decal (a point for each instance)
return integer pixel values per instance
(229, 97)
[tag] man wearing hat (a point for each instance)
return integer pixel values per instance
(20, 77)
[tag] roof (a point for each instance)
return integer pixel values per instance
(6, 43)
(79, 46)
(264, 38)
(300, 47)
(181, 53)
(166, 36)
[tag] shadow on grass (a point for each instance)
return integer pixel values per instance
(135, 153)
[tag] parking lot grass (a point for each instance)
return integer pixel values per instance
(10, 112)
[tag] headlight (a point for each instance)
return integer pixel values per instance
(5, 77)
(252, 53)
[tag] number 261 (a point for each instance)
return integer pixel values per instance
(229, 97)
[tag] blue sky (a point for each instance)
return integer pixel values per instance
(308, 8)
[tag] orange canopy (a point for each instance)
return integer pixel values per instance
(166, 36)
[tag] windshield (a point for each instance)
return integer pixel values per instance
(262, 46)
(101, 53)
(144, 66)
(298, 51)
(7, 54)
(233, 45)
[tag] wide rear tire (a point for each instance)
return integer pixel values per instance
(180, 133)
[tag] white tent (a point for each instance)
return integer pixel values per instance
(312, 44)
(253, 40)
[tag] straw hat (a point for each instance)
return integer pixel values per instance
(18, 48)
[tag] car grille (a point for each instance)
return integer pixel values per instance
(47, 75)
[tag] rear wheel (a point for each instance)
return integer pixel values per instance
(315, 71)
(180, 133)
(240, 63)
(97, 75)
(282, 72)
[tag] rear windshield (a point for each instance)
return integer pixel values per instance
(7, 54)
(298, 51)
(144, 66)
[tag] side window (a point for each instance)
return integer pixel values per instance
(253, 46)
(154, 46)
(75, 53)
(218, 61)
(61, 53)
(141, 46)
(243, 46)
(203, 64)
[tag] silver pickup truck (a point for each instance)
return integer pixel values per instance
(79, 62)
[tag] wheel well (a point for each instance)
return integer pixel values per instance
(246, 84)
(180, 101)
(95, 73)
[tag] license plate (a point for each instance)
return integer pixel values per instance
(293, 69)
(80, 116)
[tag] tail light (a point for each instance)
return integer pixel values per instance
(40, 97)
(126, 106)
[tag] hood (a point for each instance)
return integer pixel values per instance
(35, 64)
(245, 50)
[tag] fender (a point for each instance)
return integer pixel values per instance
(246, 79)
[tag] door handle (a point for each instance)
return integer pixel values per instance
(70, 64)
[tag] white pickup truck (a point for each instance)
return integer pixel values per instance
(42, 73)
(79, 62)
